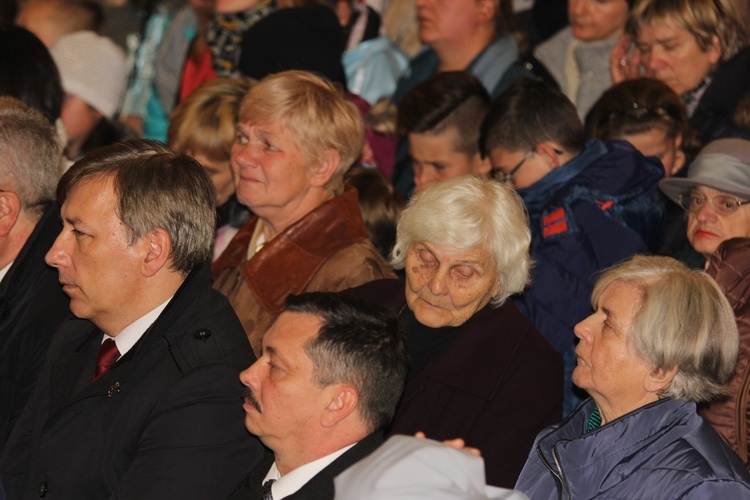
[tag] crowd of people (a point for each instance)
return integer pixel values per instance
(323, 249)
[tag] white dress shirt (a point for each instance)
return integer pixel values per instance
(4, 270)
(292, 481)
(127, 338)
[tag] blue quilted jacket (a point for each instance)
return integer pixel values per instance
(591, 213)
(661, 450)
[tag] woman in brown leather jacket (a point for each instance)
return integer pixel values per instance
(296, 136)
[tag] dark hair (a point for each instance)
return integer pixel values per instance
(454, 99)
(360, 344)
(528, 113)
(8, 11)
(505, 18)
(157, 188)
(638, 106)
(379, 205)
(28, 72)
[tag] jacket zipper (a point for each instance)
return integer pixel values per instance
(563, 492)
(741, 417)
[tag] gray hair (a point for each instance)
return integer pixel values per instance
(683, 320)
(465, 213)
(157, 188)
(30, 156)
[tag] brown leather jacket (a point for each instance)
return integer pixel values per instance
(326, 250)
(730, 267)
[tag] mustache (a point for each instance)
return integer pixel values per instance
(249, 398)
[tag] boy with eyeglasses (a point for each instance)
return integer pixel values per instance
(591, 204)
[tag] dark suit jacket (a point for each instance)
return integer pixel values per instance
(496, 385)
(32, 307)
(320, 487)
(165, 422)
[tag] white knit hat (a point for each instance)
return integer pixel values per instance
(93, 68)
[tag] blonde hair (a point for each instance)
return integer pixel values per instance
(316, 113)
(204, 123)
(703, 19)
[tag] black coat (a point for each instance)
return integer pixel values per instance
(165, 422)
(712, 117)
(496, 385)
(320, 487)
(32, 307)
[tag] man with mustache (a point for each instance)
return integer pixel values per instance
(138, 395)
(330, 375)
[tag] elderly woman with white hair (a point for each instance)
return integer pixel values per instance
(661, 338)
(478, 368)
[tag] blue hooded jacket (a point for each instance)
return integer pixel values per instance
(598, 209)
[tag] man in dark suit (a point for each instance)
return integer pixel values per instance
(32, 305)
(331, 373)
(138, 395)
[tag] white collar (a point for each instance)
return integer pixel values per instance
(127, 338)
(295, 479)
(4, 270)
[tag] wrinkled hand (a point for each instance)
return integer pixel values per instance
(624, 63)
(457, 443)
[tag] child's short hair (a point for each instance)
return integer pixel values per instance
(528, 113)
(454, 99)
(379, 205)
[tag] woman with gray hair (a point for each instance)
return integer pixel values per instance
(479, 370)
(661, 338)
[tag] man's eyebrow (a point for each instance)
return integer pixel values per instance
(275, 353)
(75, 221)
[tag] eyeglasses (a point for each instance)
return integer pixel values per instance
(507, 177)
(722, 204)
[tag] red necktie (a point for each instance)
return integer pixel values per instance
(106, 359)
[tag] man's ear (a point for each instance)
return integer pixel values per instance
(714, 50)
(481, 167)
(679, 155)
(343, 400)
(328, 163)
(549, 153)
(10, 211)
(158, 249)
(659, 379)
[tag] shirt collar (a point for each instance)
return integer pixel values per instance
(4, 270)
(127, 338)
(292, 481)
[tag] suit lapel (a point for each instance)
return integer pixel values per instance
(72, 371)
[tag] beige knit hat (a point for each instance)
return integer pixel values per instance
(93, 68)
